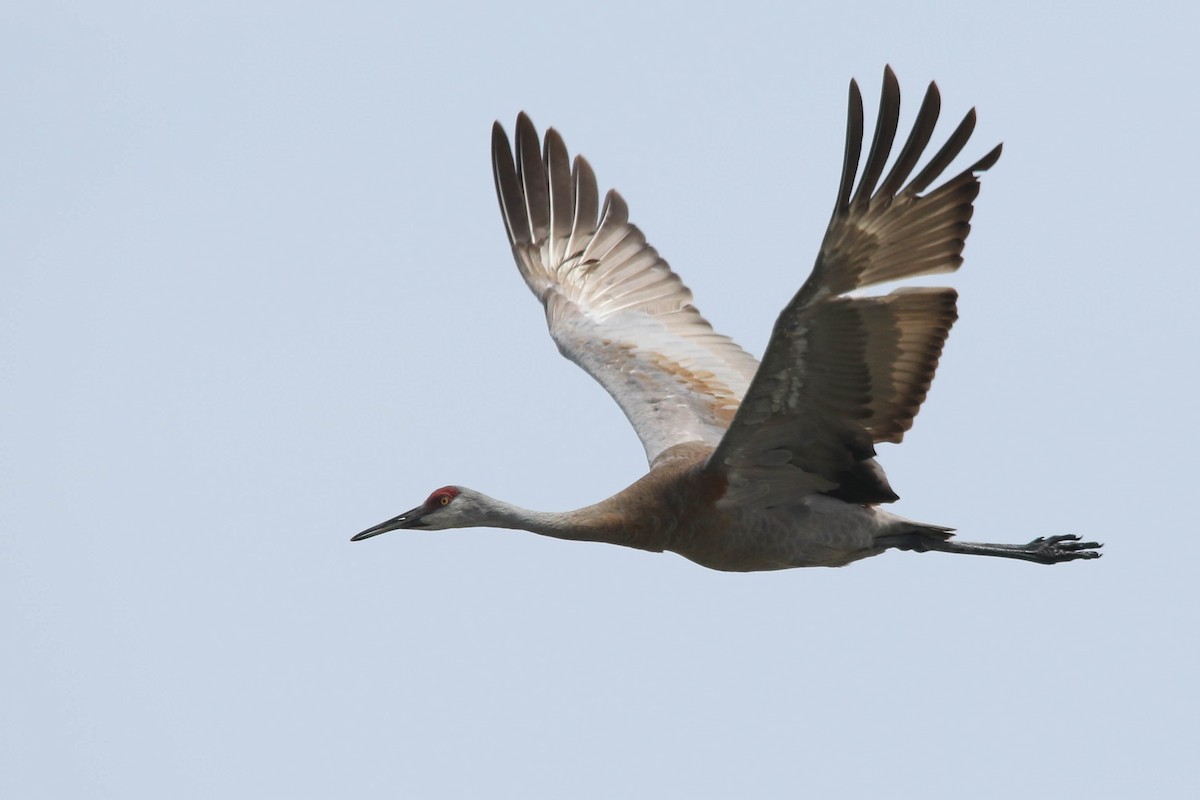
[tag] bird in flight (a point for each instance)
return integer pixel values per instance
(753, 466)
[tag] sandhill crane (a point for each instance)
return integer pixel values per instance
(752, 466)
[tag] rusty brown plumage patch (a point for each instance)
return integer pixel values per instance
(721, 401)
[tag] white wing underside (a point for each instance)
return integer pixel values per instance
(613, 306)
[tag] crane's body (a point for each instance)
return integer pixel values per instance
(752, 466)
(677, 508)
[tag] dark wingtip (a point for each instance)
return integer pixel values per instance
(552, 135)
(988, 160)
(508, 187)
(886, 122)
(854, 132)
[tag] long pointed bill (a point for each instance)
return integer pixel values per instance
(409, 519)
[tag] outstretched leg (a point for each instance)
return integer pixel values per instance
(1042, 550)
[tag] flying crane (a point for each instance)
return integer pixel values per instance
(753, 466)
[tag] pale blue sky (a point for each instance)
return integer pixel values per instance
(255, 296)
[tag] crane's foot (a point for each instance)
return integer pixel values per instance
(1042, 550)
(1055, 549)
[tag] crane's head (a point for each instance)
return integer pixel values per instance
(447, 507)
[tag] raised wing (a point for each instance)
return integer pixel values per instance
(843, 372)
(613, 305)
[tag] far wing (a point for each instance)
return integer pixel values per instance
(843, 372)
(613, 305)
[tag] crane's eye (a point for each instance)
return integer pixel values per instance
(441, 497)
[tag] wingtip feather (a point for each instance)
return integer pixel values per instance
(854, 132)
(508, 187)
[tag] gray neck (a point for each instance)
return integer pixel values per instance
(596, 523)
